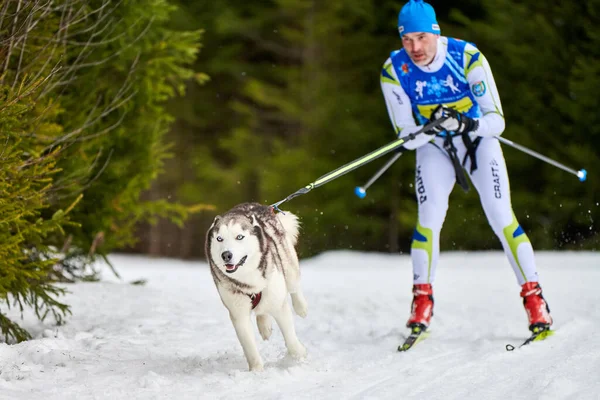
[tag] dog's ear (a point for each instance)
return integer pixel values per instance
(255, 224)
(257, 228)
(259, 233)
(208, 239)
(215, 221)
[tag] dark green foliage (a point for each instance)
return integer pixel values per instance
(25, 184)
(133, 71)
(294, 93)
(82, 92)
(537, 55)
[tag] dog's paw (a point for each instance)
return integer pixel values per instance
(300, 305)
(298, 351)
(264, 326)
(257, 367)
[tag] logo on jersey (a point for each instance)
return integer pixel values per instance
(398, 97)
(449, 82)
(496, 179)
(421, 193)
(405, 69)
(419, 88)
(478, 88)
(436, 87)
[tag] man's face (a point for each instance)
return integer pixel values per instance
(420, 46)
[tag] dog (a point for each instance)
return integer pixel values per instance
(253, 260)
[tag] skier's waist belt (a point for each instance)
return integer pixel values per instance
(471, 146)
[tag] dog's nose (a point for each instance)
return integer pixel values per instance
(226, 256)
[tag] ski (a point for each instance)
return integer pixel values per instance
(539, 333)
(417, 333)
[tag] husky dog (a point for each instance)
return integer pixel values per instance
(253, 261)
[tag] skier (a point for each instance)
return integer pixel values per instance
(432, 77)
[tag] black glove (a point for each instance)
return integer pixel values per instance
(455, 121)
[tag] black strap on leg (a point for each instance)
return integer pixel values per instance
(461, 178)
(471, 146)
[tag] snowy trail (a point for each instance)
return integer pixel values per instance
(172, 338)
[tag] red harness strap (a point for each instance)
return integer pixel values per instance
(255, 298)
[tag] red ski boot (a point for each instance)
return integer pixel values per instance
(422, 306)
(536, 307)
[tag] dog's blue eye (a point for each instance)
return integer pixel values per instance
(219, 239)
(239, 237)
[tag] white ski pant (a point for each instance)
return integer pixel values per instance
(435, 179)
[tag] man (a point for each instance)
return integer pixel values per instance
(435, 77)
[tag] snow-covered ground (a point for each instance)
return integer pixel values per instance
(172, 338)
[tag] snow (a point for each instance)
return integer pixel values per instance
(172, 339)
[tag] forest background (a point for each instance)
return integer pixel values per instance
(127, 126)
(294, 93)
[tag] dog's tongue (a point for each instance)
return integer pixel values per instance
(230, 267)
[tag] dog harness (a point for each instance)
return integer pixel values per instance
(255, 299)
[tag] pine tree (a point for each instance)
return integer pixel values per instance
(83, 87)
(26, 176)
(119, 98)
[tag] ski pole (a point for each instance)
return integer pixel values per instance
(361, 191)
(581, 174)
(359, 162)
